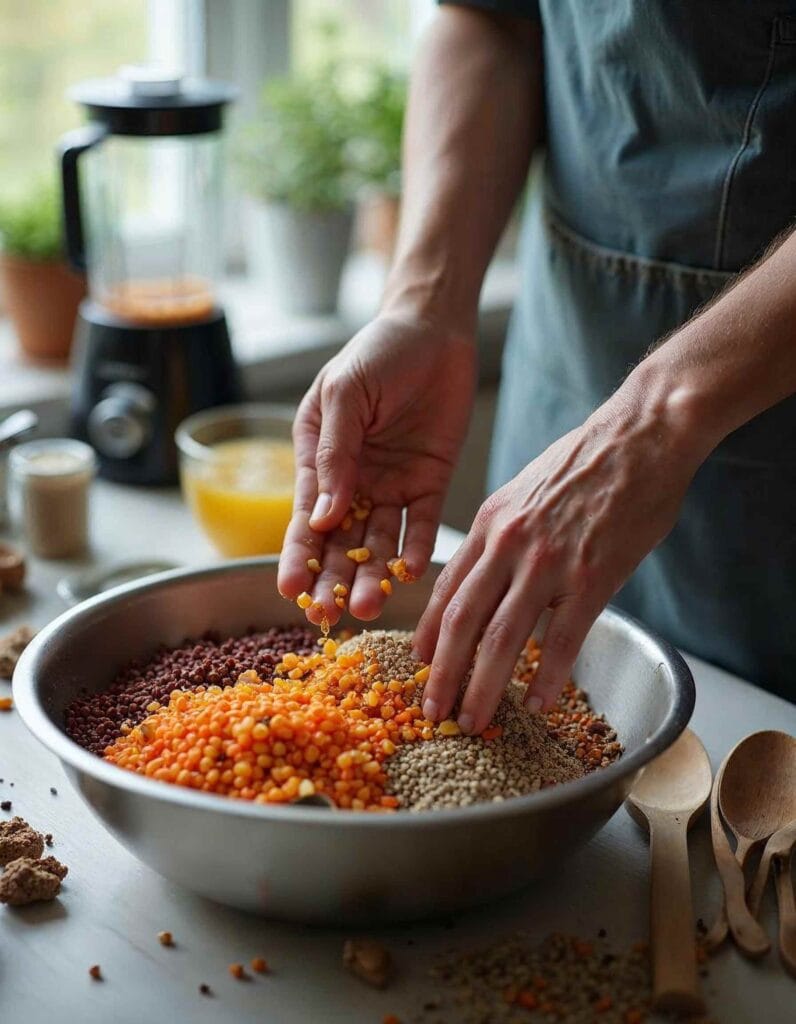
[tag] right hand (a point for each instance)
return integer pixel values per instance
(384, 419)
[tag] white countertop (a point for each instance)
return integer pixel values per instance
(112, 907)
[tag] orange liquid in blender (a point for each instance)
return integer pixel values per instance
(159, 302)
(243, 498)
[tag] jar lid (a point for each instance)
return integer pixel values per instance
(53, 457)
(153, 99)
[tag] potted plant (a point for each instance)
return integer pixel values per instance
(293, 162)
(376, 156)
(41, 294)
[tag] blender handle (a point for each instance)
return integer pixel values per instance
(70, 148)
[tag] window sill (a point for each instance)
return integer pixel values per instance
(278, 353)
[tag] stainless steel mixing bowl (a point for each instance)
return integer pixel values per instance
(314, 864)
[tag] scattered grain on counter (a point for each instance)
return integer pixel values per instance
(11, 647)
(165, 938)
(96, 720)
(95, 972)
(563, 978)
(6, 704)
(205, 990)
(238, 972)
(260, 965)
(5, 805)
(18, 839)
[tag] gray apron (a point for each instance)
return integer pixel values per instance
(670, 164)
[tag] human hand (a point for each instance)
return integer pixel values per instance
(564, 534)
(384, 419)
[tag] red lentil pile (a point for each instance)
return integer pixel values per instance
(95, 720)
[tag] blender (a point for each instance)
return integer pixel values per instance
(142, 201)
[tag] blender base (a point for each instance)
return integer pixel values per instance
(133, 385)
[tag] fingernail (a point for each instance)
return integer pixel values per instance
(431, 709)
(534, 704)
(466, 723)
(322, 505)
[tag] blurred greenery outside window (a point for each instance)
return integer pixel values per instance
(48, 45)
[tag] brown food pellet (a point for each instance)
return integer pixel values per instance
(5, 805)
(95, 972)
(11, 647)
(96, 720)
(18, 839)
(165, 938)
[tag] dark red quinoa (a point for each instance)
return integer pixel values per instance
(95, 720)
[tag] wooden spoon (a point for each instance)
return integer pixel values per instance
(757, 797)
(779, 850)
(668, 798)
(779, 845)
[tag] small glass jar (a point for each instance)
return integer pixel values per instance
(50, 481)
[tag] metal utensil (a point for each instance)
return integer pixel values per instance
(376, 867)
(755, 793)
(15, 426)
(667, 799)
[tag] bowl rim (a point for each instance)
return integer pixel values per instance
(188, 445)
(71, 754)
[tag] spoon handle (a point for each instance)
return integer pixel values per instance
(748, 934)
(787, 912)
(675, 984)
(760, 882)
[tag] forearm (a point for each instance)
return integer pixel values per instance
(473, 119)
(729, 363)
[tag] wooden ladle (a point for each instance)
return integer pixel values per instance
(668, 798)
(756, 793)
(779, 851)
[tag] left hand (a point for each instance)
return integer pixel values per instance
(564, 534)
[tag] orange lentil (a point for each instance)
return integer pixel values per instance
(492, 733)
(358, 555)
(260, 965)
(95, 972)
(6, 703)
(313, 565)
(237, 971)
(385, 587)
(527, 999)
(165, 938)
(399, 570)
(304, 600)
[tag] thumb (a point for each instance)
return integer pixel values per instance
(337, 455)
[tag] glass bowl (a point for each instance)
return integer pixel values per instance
(237, 473)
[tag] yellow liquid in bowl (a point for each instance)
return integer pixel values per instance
(243, 497)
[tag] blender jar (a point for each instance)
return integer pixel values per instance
(144, 219)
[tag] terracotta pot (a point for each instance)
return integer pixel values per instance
(42, 301)
(377, 223)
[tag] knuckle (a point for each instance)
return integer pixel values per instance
(498, 637)
(560, 642)
(458, 616)
(488, 510)
(325, 457)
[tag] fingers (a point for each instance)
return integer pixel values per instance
(382, 530)
(422, 523)
(337, 453)
(570, 622)
(301, 542)
(336, 567)
(427, 631)
(501, 645)
(463, 621)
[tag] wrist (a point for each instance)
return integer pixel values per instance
(430, 292)
(674, 400)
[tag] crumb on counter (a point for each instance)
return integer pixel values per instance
(26, 880)
(18, 839)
